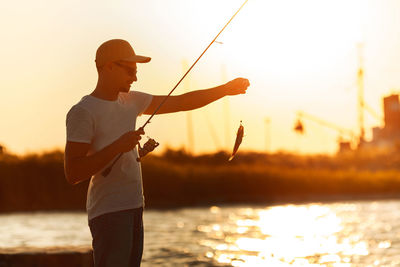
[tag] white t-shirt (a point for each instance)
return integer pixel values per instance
(99, 123)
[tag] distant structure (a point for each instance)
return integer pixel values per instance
(344, 145)
(388, 136)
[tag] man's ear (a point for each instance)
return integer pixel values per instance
(109, 66)
(106, 68)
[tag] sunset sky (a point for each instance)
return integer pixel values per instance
(297, 54)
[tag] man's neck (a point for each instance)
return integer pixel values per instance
(105, 92)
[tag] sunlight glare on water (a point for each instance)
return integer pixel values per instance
(305, 235)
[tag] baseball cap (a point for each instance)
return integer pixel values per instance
(115, 50)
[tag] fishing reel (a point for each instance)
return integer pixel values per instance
(149, 146)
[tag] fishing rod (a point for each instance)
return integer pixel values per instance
(152, 143)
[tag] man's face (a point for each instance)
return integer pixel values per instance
(124, 74)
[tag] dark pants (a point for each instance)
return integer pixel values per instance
(118, 238)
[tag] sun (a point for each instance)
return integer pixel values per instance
(295, 35)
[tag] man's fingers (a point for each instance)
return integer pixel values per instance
(242, 82)
(140, 131)
(245, 83)
(136, 136)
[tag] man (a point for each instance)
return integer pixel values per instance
(100, 127)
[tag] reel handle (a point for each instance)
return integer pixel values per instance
(148, 147)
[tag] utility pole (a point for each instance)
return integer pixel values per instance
(213, 133)
(228, 142)
(360, 85)
(267, 134)
(189, 123)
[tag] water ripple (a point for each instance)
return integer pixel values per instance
(336, 234)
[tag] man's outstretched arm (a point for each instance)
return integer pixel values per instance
(197, 99)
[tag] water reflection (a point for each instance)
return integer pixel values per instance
(337, 234)
(291, 235)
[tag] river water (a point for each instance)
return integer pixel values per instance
(316, 234)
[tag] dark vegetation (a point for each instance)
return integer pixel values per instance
(175, 179)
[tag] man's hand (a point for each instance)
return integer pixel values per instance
(129, 140)
(80, 166)
(236, 86)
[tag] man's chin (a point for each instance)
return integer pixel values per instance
(125, 89)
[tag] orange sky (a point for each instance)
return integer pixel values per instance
(298, 55)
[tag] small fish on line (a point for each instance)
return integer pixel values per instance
(238, 141)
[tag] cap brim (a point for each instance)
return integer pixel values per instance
(138, 59)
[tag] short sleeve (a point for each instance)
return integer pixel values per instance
(80, 125)
(140, 100)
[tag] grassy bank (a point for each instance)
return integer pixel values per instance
(36, 182)
(264, 179)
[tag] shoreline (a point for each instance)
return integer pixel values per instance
(52, 256)
(283, 200)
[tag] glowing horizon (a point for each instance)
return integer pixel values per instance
(297, 55)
